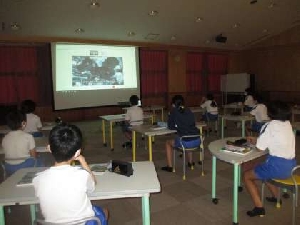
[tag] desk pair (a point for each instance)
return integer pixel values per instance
(141, 184)
(116, 118)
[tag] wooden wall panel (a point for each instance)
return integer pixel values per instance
(177, 71)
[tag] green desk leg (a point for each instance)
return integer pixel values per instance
(243, 128)
(2, 217)
(214, 178)
(133, 145)
(103, 133)
(32, 213)
(146, 209)
(111, 136)
(235, 194)
(222, 130)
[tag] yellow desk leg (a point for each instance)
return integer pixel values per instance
(103, 133)
(150, 147)
(111, 136)
(133, 146)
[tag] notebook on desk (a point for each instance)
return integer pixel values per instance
(26, 180)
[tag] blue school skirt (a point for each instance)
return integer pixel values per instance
(209, 117)
(275, 168)
(194, 143)
(100, 214)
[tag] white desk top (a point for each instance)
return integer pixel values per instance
(215, 149)
(121, 117)
(234, 105)
(197, 109)
(238, 118)
(149, 130)
(109, 185)
(5, 129)
(153, 107)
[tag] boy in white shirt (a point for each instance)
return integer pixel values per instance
(277, 136)
(62, 189)
(34, 123)
(249, 102)
(210, 105)
(134, 116)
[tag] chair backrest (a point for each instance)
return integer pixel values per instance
(75, 222)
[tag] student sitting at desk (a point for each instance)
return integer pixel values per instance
(261, 115)
(182, 120)
(133, 117)
(62, 189)
(210, 105)
(249, 101)
(277, 136)
(33, 124)
(18, 146)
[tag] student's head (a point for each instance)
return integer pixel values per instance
(65, 140)
(248, 91)
(209, 96)
(178, 102)
(278, 110)
(16, 120)
(134, 100)
(28, 106)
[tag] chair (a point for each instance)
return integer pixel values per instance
(76, 222)
(291, 184)
(184, 150)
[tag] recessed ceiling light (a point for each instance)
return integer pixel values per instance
(272, 5)
(236, 25)
(79, 30)
(173, 38)
(199, 19)
(15, 26)
(153, 13)
(94, 4)
(130, 34)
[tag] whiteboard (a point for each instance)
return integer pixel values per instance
(237, 82)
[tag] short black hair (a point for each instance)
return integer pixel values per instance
(15, 119)
(278, 110)
(178, 102)
(64, 141)
(134, 99)
(28, 106)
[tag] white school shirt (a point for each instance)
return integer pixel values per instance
(134, 115)
(207, 106)
(249, 101)
(279, 138)
(62, 191)
(33, 123)
(260, 112)
(17, 144)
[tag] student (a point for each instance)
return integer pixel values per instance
(62, 189)
(134, 116)
(277, 136)
(209, 104)
(34, 124)
(182, 120)
(18, 146)
(261, 115)
(249, 101)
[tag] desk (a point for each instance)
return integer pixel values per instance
(112, 119)
(295, 111)
(153, 109)
(231, 158)
(197, 109)
(5, 129)
(40, 145)
(235, 106)
(149, 131)
(243, 119)
(141, 184)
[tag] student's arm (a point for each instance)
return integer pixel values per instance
(32, 151)
(85, 166)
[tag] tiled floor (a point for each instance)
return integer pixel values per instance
(180, 202)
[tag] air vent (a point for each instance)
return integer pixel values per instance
(151, 36)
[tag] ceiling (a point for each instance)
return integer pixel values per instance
(175, 23)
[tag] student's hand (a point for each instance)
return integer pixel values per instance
(252, 140)
(85, 166)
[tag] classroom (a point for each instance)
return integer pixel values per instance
(81, 61)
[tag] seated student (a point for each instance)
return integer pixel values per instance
(249, 101)
(277, 136)
(261, 115)
(133, 117)
(182, 120)
(209, 104)
(62, 189)
(18, 146)
(34, 124)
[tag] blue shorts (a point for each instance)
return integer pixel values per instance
(30, 162)
(37, 134)
(275, 168)
(187, 144)
(209, 117)
(256, 126)
(100, 214)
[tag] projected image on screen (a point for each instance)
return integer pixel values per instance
(100, 70)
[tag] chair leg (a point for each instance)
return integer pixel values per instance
(278, 205)
(202, 161)
(183, 165)
(294, 208)
(174, 156)
(263, 193)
